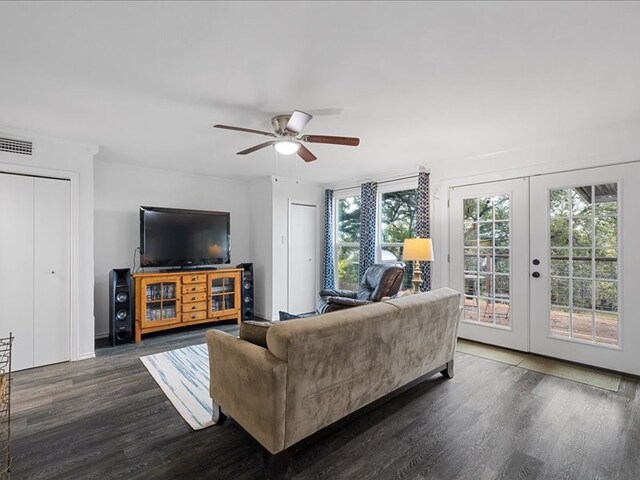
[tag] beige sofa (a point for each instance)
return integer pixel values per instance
(317, 370)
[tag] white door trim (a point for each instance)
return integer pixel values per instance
(73, 177)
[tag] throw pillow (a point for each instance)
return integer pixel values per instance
(255, 332)
(287, 316)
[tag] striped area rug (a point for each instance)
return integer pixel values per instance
(183, 375)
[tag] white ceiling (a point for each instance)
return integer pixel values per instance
(419, 83)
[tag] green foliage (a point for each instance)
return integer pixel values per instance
(398, 216)
(348, 266)
(348, 219)
(590, 226)
(398, 223)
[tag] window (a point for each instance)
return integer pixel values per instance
(584, 269)
(487, 260)
(396, 221)
(347, 238)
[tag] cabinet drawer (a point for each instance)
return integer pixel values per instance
(189, 317)
(194, 307)
(194, 279)
(194, 297)
(194, 288)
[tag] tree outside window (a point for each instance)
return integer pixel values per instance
(347, 246)
(397, 222)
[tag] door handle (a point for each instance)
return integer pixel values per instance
(535, 274)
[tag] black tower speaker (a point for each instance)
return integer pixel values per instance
(247, 291)
(120, 306)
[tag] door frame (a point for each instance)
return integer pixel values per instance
(304, 203)
(443, 272)
(74, 245)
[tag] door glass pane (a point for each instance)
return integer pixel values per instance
(487, 260)
(583, 263)
(470, 209)
(560, 321)
(471, 234)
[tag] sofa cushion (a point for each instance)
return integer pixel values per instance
(255, 332)
(324, 326)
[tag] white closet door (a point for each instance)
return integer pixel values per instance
(302, 258)
(16, 266)
(51, 271)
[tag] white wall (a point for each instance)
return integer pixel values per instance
(121, 189)
(66, 159)
(270, 199)
(261, 193)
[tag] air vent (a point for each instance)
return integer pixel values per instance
(12, 145)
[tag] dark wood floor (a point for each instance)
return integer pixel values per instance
(106, 418)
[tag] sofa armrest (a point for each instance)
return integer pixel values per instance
(347, 302)
(336, 292)
(249, 383)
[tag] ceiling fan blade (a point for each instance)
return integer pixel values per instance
(297, 122)
(248, 130)
(256, 147)
(305, 154)
(350, 141)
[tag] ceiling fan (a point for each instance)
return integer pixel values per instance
(287, 129)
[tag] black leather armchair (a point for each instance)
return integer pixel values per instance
(379, 281)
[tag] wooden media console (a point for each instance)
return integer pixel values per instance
(170, 300)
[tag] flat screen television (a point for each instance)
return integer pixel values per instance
(171, 237)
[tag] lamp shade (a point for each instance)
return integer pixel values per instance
(417, 249)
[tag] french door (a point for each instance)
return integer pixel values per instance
(585, 266)
(489, 258)
(548, 264)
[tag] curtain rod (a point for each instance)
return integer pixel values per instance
(383, 181)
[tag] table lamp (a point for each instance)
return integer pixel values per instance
(417, 250)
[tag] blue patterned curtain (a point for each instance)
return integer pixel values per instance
(423, 225)
(368, 194)
(328, 270)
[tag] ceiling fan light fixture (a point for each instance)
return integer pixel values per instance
(287, 147)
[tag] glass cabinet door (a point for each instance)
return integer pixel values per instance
(224, 293)
(160, 305)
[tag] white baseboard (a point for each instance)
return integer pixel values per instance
(85, 356)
